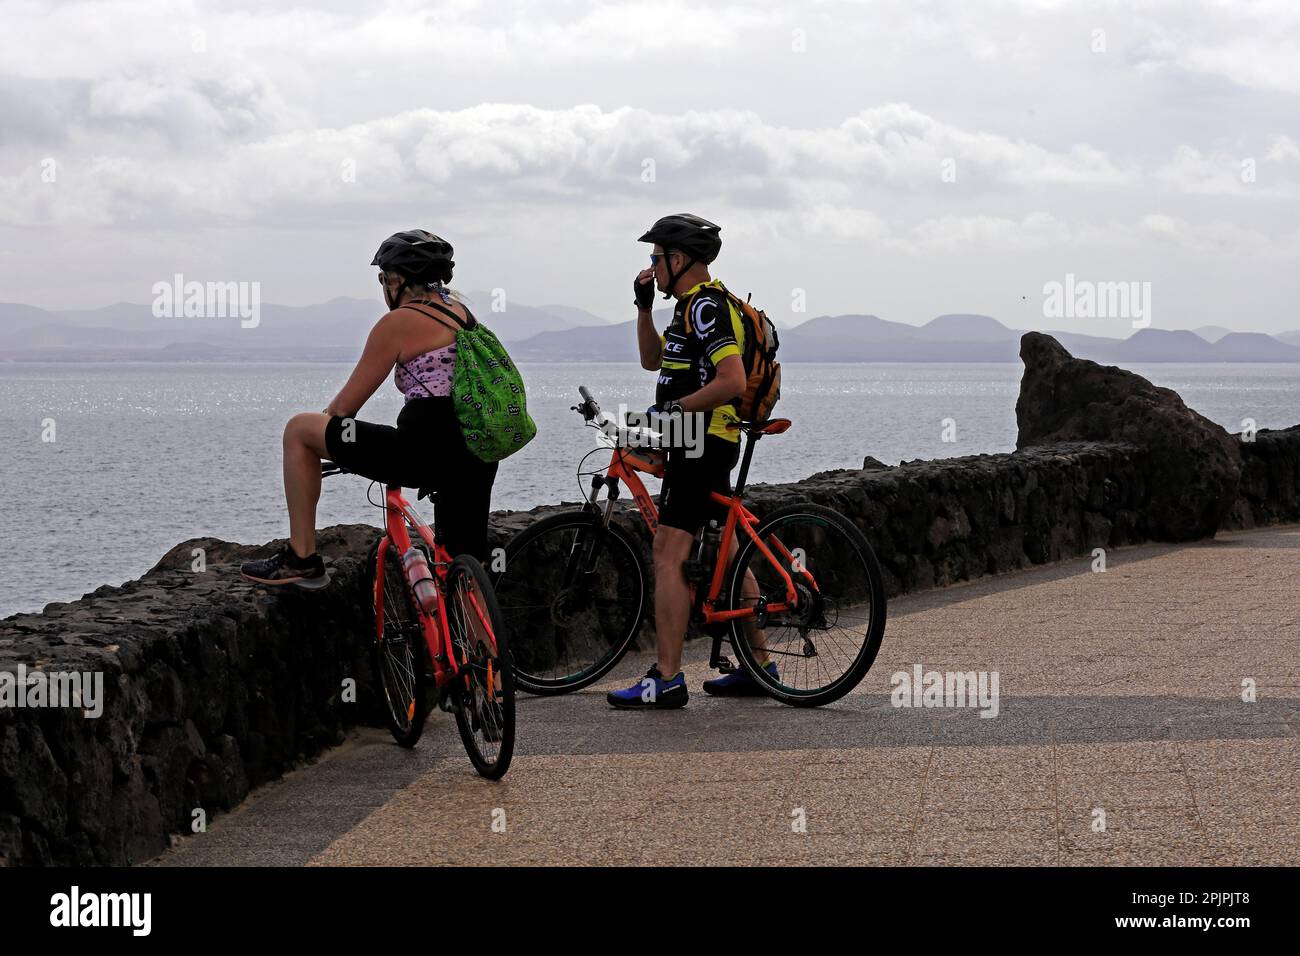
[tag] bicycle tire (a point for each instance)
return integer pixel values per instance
(855, 542)
(480, 705)
(534, 628)
(405, 708)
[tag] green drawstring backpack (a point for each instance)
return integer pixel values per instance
(487, 390)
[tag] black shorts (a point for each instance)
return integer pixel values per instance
(425, 450)
(685, 500)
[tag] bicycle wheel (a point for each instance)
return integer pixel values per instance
(485, 702)
(573, 595)
(828, 638)
(399, 652)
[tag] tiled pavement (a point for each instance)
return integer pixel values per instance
(1120, 694)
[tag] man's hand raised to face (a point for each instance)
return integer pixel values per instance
(643, 287)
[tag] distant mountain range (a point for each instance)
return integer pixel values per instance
(948, 338)
(333, 329)
(336, 331)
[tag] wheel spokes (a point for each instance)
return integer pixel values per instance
(568, 607)
(472, 635)
(817, 640)
(397, 654)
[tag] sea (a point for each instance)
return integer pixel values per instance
(107, 466)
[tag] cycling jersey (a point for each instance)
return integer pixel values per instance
(704, 330)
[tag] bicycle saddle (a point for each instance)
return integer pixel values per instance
(773, 426)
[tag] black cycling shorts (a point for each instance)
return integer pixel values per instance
(685, 500)
(425, 450)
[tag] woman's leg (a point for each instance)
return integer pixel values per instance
(304, 450)
(464, 503)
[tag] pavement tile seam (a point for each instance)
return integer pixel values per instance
(920, 810)
(1056, 792)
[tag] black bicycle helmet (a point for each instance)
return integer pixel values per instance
(696, 237)
(418, 255)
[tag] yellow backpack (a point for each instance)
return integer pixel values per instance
(763, 371)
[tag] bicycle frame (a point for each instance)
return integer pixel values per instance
(437, 636)
(624, 467)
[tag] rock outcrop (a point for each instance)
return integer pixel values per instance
(1193, 466)
(1270, 479)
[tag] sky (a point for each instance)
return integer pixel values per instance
(901, 159)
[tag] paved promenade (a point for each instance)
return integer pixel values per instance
(1120, 701)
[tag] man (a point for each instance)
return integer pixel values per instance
(701, 373)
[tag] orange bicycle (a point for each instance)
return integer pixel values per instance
(439, 638)
(804, 589)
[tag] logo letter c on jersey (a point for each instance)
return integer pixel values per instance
(703, 317)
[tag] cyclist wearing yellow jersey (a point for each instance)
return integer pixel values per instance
(701, 373)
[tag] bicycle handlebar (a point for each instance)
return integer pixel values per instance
(589, 409)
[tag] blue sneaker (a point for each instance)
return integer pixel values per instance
(738, 683)
(651, 691)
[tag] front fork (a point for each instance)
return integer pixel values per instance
(597, 483)
(583, 558)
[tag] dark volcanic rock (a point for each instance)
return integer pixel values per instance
(1270, 479)
(1193, 465)
(211, 687)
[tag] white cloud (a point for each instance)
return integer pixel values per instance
(1275, 175)
(87, 39)
(1283, 150)
(504, 154)
(1216, 239)
(944, 237)
(1262, 62)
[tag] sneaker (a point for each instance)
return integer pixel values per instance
(651, 691)
(285, 567)
(738, 683)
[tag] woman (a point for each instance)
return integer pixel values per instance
(425, 450)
